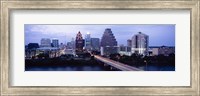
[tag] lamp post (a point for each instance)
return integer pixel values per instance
(146, 64)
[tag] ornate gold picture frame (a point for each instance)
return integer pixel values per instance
(8, 5)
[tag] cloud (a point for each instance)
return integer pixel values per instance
(159, 34)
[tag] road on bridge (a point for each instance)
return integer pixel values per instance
(116, 64)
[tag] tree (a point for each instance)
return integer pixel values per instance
(43, 55)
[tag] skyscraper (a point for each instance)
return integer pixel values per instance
(45, 42)
(79, 42)
(95, 43)
(55, 42)
(108, 39)
(73, 44)
(108, 43)
(140, 43)
(87, 41)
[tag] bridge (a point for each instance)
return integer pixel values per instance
(116, 64)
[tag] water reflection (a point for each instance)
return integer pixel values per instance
(67, 68)
(158, 68)
(93, 68)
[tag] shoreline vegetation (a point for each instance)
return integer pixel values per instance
(140, 60)
(133, 60)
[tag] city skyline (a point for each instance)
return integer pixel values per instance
(159, 34)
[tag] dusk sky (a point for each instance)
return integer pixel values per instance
(159, 34)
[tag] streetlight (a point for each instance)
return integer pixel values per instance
(146, 64)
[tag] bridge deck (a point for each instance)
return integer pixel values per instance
(116, 64)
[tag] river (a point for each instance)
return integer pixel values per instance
(93, 68)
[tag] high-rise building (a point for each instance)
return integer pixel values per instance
(69, 45)
(87, 41)
(95, 43)
(79, 42)
(140, 44)
(55, 42)
(129, 42)
(108, 43)
(108, 50)
(108, 39)
(45, 42)
(125, 50)
(73, 44)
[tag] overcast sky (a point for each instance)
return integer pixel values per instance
(158, 34)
